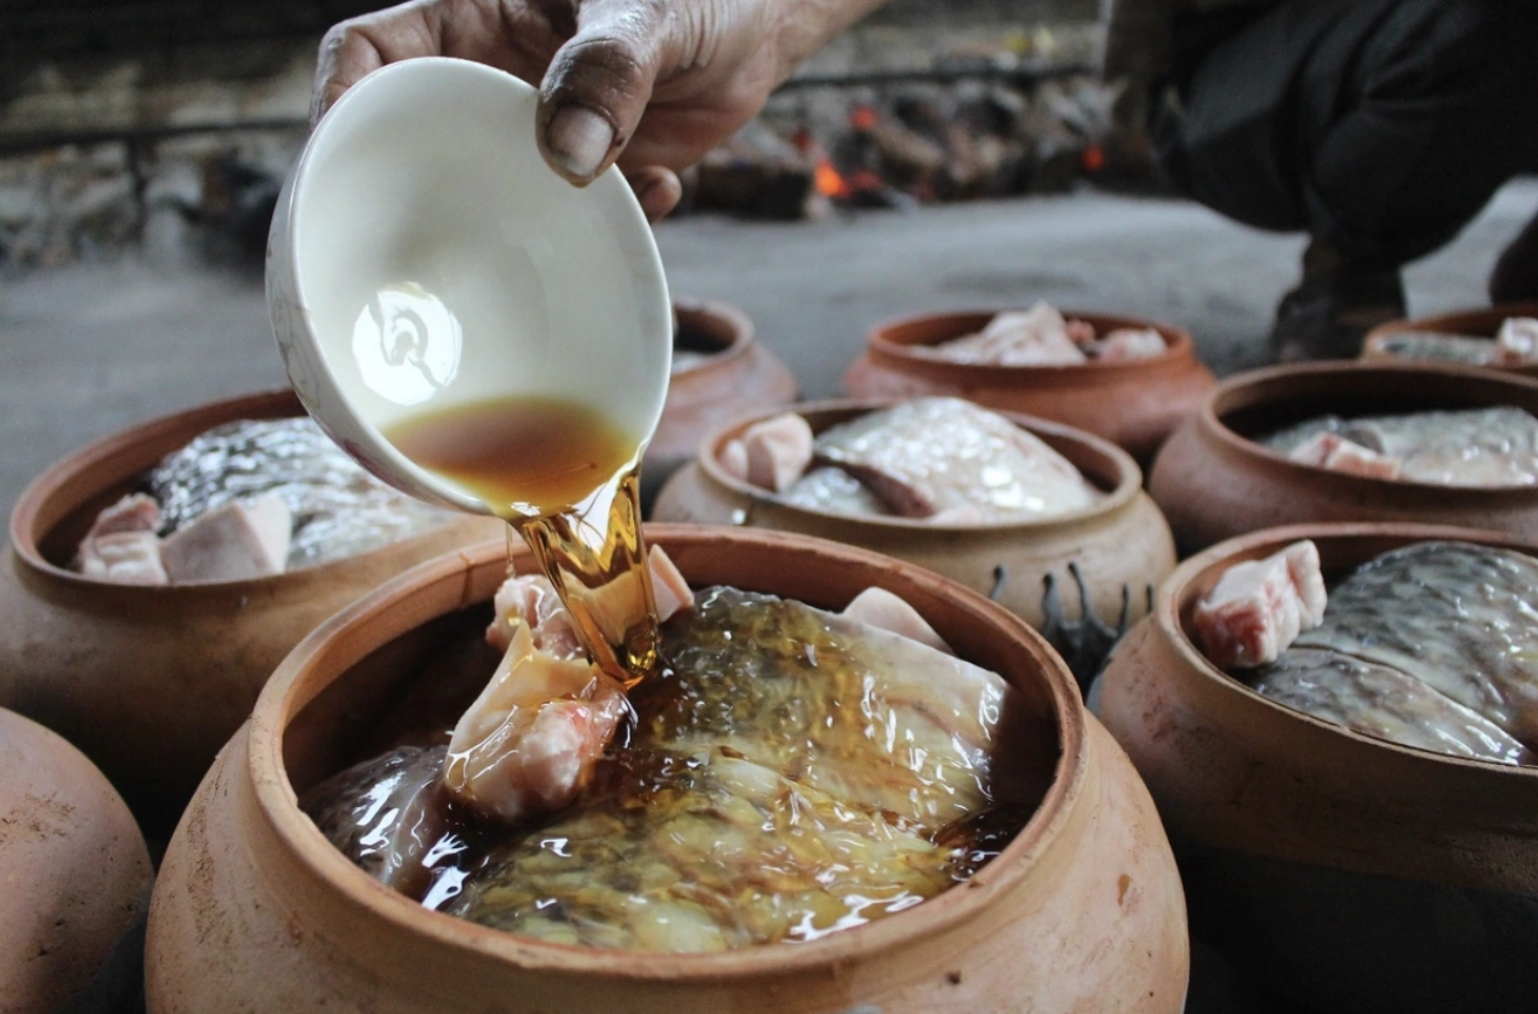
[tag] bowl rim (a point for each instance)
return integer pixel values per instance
(743, 333)
(283, 698)
(57, 480)
(1127, 480)
(1209, 417)
(1179, 586)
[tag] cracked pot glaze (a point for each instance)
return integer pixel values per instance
(150, 681)
(256, 911)
(1214, 481)
(738, 375)
(1347, 872)
(1134, 404)
(1121, 542)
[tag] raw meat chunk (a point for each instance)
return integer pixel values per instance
(1486, 447)
(777, 451)
(734, 460)
(133, 513)
(1517, 341)
(1126, 343)
(1335, 452)
(234, 542)
(1381, 701)
(1258, 608)
(670, 592)
(1457, 616)
(835, 491)
(880, 608)
(1037, 337)
(131, 557)
(937, 454)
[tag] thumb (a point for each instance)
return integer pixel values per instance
(598, 85)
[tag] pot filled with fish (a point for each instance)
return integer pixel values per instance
(157, 577)
(1354, 442)
(720, 372)
(1340, 725)
(844, 783)
(1503, 337)
(1127, 380)
(1049, 520)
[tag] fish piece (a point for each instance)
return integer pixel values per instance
(1258, 608)
(777, 451)
(131, 557)
(1036, 337)
(791, 773)
(1335, 452)
(1517, 341)
(835, 491)
(1433, 346)
(531, 739)
(1125, 343)
(880, 608)
(235, 542)
(930, 455)
(1382, 701)
(1486, 447)
(1458, 616)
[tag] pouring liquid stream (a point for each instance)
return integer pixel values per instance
(567, 480)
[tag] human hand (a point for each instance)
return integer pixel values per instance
(650, 84)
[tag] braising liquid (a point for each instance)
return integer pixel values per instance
(566, 478)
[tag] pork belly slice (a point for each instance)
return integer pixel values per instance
(1037, 337)
(1126, 343)
(129, 557)
(133, 513)
(879, 608)
(1335, 452)
(1516, 342)
(934, 456)
(1258, 608)
(235, 542)
(771, 454)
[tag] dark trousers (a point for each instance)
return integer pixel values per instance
(1378, 126)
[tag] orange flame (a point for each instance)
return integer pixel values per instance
(829, 182)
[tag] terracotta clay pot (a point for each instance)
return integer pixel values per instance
(255, 911)
(1348, 872)
(1121, 543)
(1214, 483)
(76, 876)
(1481, 323)
(740, 376)
(150, 681)
(1133, 404)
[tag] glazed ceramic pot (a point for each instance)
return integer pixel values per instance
(150, 681)
(1480, 323)
(76, 876)
(255, 911)
(1120, 543)
(1214, 482)
(1134, 404)
(1348, 872)
(737, 375)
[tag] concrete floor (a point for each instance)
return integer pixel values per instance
(89, 349)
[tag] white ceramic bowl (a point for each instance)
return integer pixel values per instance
(424, 256)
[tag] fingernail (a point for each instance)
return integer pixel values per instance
(579, 139)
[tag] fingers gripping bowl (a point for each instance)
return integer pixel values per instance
(1081, 912)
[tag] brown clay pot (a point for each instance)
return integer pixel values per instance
(1481, 323)
(255, 911)
(1135, 405)
(1348, 872)
(1214, 483)
(76, 876)
(740, 376)
(1121, 543)
(150, 682)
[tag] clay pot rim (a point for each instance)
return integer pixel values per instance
(1180, 348)
(1254, 545)
(1128, 479)
(743, 332)
(280, 701)
(1209, 419)
(1449, 323)
(24, 522)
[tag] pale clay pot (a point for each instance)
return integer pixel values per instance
(255, 911)
(1122, 542)
(1347, 872)
(150, 681)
